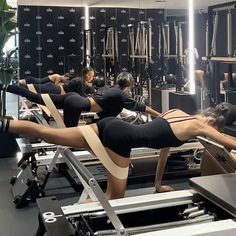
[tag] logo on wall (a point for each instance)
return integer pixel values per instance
(27, 72)
(39, 64)
(61, 48)
(123, 40)
(49, 24)
(50, 71)
(123, 11)
(72, 25)
(27, 24)
(38, 17)
(113, 18)
(27, 40)
(39, 48)
(38, 33)
(72, 40)
(50, 56)
(72, 10)
(132, 19)
(26, 9)
(102, 10)
(49, 10)
(49, 40)
(27, 56)
(123, 26)
(60, 63)
(92, 17)
(60, 32)
(60, 17)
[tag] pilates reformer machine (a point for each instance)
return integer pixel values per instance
(140, 53)
(27, 187)
(213, 60)
(110, 53)
(175, 53)
(209, 208)
(50, 156)
(89, 50)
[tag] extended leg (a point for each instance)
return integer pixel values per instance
(71, 137)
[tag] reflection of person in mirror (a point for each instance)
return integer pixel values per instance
(195, 58)
(198, 74)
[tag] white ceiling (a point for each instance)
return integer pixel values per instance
(162, 4)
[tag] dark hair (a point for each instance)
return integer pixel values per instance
(99, 82)
(228, 110)
(86, 70)
(124, 80)
(214, 113)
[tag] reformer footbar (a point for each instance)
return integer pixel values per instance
(44, 108)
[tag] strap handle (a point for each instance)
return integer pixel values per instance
(51, 107)
(101, 153)
(44, 108)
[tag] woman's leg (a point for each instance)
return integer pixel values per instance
(57, 99)
(199, 76)
(116, 187)
(34, 80)
(71, 137)
(71, 103)
(49, 88)
(73, 106)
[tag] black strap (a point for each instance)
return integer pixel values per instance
(187, 118)
(167, 112)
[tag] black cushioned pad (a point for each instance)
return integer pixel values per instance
(230, 130)
(219, 189)
(220, 153)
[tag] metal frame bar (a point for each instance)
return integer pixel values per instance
(91, 181)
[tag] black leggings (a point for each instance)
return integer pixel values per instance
(48, 87)
(34, 80)
(71, 103)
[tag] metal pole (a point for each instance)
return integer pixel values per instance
(207, 38)
(213, 42)
(229, 33)
(176, 38)
(168, 38)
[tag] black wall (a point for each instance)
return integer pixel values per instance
(50, 39)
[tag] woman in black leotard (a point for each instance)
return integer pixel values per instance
(60, 84)
(106, 102)
(172, 128)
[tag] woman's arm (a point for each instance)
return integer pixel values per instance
(151, 111)
(57, 79)
(224, 140)
(133, 105)
(160, 171)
